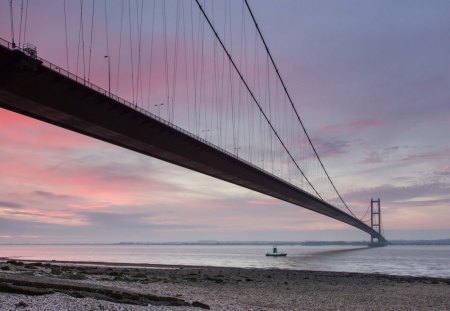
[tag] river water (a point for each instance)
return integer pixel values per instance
(395, 260)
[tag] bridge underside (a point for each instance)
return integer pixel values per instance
(31, 89)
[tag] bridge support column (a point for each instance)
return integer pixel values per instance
(375, 222)
(375, 217)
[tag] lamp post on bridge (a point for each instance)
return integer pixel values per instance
(206, 132)
(109, 74)
(236, 150)
(159, 107)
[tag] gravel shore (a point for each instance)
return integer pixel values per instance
(73, 286)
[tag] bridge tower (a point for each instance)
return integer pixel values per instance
(375, 217)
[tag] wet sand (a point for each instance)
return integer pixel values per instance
(105, 286)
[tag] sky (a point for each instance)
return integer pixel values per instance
(369, 78)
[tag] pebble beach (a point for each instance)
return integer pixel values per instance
(55, 286)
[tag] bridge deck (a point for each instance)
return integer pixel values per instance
(31, 88)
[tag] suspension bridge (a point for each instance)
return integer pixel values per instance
(192, 83)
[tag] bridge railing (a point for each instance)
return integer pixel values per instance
(147, 113)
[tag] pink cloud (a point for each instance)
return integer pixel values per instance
(18, 130)
(43, 160)
(38, 212)
(428, 155)
(90, 206)
(445, 171)
(265, 202)
(19, 236)
(29, 236)
(60, 217)
(406, 216)
(355, 126)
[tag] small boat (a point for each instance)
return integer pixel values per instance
(275, 253)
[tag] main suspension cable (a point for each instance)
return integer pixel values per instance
(253, 96)
(295, 110)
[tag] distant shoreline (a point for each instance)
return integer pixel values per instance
(256, 243)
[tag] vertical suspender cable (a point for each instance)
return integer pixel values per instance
(11, 18)
(79, 36)
(25, 24)
(65, 30)
(175, 61)
(151, 56)
(20, 24)
(107, 49)
(90, 43)
(166, 61)
(186, 68)
(82, 42)
(120, 48)
(139, 27)
(131, 50)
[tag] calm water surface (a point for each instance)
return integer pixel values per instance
(396, 260)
